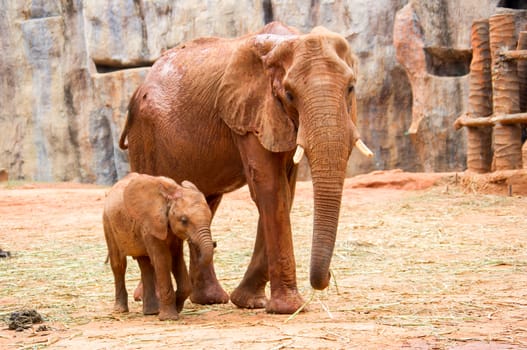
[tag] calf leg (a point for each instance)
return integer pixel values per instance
(150, 301)
(161, 258)
(118, 264)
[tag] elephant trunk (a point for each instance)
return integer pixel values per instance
(203, 240)
(327, 193)
(327, 148)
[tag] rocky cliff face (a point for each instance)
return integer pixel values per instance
(69, 67)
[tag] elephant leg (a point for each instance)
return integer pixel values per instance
(179, 270)
(161, 258)
(268, 179)
(205, 286)
(118, 264)
(214, 202)
(257, 275)
(148, 286)
(251, 291)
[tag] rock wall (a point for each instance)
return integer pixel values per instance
(432, 42)
(69, 67)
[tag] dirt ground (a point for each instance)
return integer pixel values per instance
(419, 263)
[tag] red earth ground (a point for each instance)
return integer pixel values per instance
(419, 263)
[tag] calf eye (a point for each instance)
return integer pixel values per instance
(289, 96)
(184, 220)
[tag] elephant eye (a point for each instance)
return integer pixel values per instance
(289, 96)
(351, 88)
(184, 220)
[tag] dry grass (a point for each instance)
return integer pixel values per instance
(409, 269)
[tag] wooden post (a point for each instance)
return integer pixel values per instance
(522, 71)
(522, 76)
(479, 140)
(505, 97)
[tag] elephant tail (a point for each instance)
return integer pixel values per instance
(122, 141)
(129, 118)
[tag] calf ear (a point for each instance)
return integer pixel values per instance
(146, 203)
(188, 184)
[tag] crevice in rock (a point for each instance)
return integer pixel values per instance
(268, 11)
(513, 4)
(144, 33)
(447, 62)
(314, 12)
(111, 68)
(39, 9)
(100, 130)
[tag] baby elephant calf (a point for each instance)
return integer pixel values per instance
(148, 218)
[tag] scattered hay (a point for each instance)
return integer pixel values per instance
(301, 308)
(433, 266)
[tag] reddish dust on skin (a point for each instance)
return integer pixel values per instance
(371, 307)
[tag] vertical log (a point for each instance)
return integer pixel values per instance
(479, 140)
(522, 71)
(522, 76)
(505, 97)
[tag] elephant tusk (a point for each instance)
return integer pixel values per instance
(363, 148)
(299, 153)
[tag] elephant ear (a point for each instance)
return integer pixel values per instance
(146, 201)
(247, 100)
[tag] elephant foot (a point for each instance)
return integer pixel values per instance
(168, 314)
(248, 300)
(151, 307)
(284, 302)
(210, 294)
(208, 298)
(120, 307)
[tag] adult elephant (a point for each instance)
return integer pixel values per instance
(226, 112)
